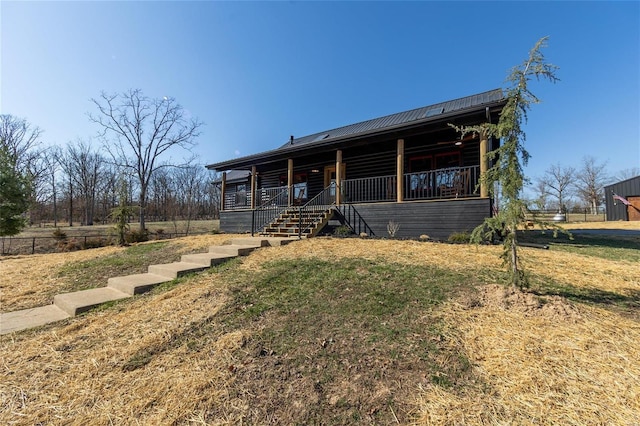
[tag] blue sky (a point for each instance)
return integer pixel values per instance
(256, 73)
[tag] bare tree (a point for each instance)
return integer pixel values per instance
(590, 181)
(51, 159)
(542, 194)
(21, 141)
(190, 184)
(558, 181)
(84, 168)
(625, 174)
(145, 130)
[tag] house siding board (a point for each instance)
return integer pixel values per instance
(438, 219)
(235, 222)
(372, 162)
(626, 188)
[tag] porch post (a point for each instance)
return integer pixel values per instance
(254, 172)
(223, 190)
(400, 171)
(338, 175)
(290, 180)
(484, 164)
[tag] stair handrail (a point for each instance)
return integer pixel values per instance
(265, 214)
(318, 204)
(354, 220)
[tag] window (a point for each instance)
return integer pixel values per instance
(320, 137)
(433, 111)
(299, 186)
(420, 164)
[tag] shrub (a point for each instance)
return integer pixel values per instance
(459, 238)
(69, 245)
(342, 231)
(392, 228)
(90, 243)
(59, 235)
(136, 236)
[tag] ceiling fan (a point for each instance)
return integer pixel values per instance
(460, 141)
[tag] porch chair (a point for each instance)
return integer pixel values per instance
(300, 198)
(459, 185)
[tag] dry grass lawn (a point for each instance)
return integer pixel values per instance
(634, 225)
(533, 362)
(31, 280)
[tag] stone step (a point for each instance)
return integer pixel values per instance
(207, 259)
(234, 249)
(29, 318)
(136, 284)
(176, 269)
(263, 241)
(82, 301)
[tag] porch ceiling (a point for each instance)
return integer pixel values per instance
(432, 117)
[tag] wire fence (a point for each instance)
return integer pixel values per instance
(52, 244)
(582, 215)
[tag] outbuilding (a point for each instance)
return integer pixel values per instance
(623, 200)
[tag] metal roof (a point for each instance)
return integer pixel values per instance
(401, 117)
(377, 125)
(235, 175)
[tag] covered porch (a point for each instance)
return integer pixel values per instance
(411, 167)
(357, 177)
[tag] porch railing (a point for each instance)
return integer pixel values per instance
(316, 207)
(369, 190)
(237, 200)
(354, 220)
(453, 182)
(266, 195)
(269, 210)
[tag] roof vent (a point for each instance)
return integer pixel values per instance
(291, 140)
(433, 111)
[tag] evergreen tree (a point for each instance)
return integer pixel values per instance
(122, 212)
(14, 195)
(510, 157)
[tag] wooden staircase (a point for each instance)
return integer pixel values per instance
(288, 224)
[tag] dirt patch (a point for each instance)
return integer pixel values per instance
(525, 303)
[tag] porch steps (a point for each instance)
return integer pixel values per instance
(70, 304)
(288, 223)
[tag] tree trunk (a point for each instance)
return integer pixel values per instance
(142, 200)
(70, 204)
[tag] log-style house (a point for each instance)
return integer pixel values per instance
(410, 170)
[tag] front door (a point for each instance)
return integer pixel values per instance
(330, 177)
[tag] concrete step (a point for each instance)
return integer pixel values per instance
(176, 269)
(234, 249)
(29, 318)
(81, 301)
(263, 241)
(136, 284)
(207, 259)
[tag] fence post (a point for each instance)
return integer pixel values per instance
(33, 245)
